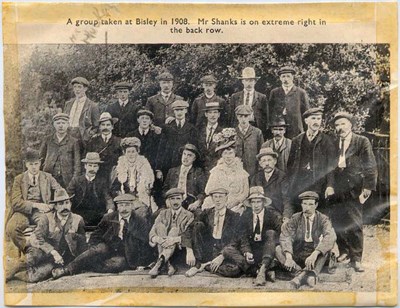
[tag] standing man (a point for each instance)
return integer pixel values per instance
(61, 152)
(279, 143)
(248, 139)
(289, 102)
(124, 110)
(355, 178)
(161, 104)
(208, 83)
(311, 160)
(83, 113)
(250, 97)
(168, 231)
(119, 243)
(305, 241)
(91, 193)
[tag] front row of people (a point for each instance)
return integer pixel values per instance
(216, 239)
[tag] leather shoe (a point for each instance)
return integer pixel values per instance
(260, 279)
(156, 269)
(342, 258)
(311, 280)
(59, 272)
(171, 269)
(295, 283)
(271, 276)
(358, 267)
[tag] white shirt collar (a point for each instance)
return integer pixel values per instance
(165, 95)
(143, 131)
(311, 218)
(348, 137)
(287, 89)
(212, 126)
(30, 175)
(120, 218)
(62, 218)
(181, 121)
(90, 179)
(260, 215)
(107, 137)
(221, 212)
(123, 103)
(81, 99)
(250, 92)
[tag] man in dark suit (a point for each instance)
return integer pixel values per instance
(106, 144)
(61, 152)
(124, 109)
(91, 193)
(213, 233)
(83, 113)
(355, 178)
(305, 241)
(311, 161)
(274, 182)
(174, 136)
(161, 104)
(208, 83)
(119, 243)
(250, 97)
(289, 102)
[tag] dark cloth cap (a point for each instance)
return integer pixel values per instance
(286, 69)
(212, 106)
(179, 104)
(173, 192)
(123, 85)
(62, 116)
(278, 123)
(190, 147)
(124, 198)
(208, 78)
(165, 77)
(343, 114)
(315, 110)
(243, 109)
(266, 151)
(31, 155)
(145, 112)
(218, 191)
(309, 195)
(80, 80)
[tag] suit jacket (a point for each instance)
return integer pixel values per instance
(293, 232)
(160, 108)
(19, 193)
(283, 152)
(127, 117)
(260, 109)
(172, 139)
(276, 189)
(195, 182)
(209, 156)
(248, 146)
(89, 119)
(67, 152)
(361, 170)
(296, 103)
(197, 110)
(51, 232)
(149, 145)
(136, 245)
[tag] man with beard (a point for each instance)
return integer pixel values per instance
(279, 143)
(168, 231)
(91, 193)
(355, 178)
(251, 98)
(208, 83)
(289, 102)
(61, 152)
(58, 241)
(106, 144)
(305, 241)
(161, 104)
(119, 243)
(124, 110)
(311, 161)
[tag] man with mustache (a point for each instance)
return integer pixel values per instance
(56, 242)
(355, 178)
(288, 101)
(305, 242)
(119, 242)
(311, 162)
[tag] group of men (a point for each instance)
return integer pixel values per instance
(297, 169)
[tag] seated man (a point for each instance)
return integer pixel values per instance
(119, 243)
(261, 225)
(58, 241)
(167, 231)
(213, 233)
(305, 241)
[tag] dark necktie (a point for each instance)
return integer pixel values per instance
(34, 180)
(125, 228)
(341, 147)
(308, 228)
(209, 137)
(179, 124)
(247, 99)
(174, 217)
(257, 229)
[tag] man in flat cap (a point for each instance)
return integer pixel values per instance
(161, 103)
(91, 193)
(251, 98)
(305, 242)
(214, 232)
(288, 101)
(124, 109)
(106, 144)
(174, 136)
(311, 161)
(119, 243)
(248, 139)
(56, 242)
(168, 235)
(208, 82)
(61, 152)
(274, 183)
(83, 113)
(189, 177)
(30, 199)
(279, 143)
(355, 177)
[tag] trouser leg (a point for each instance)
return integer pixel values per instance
(268, 252)
(89, 259)
(202, 244)
(15, 229)
(115, 264)
(233, 255)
